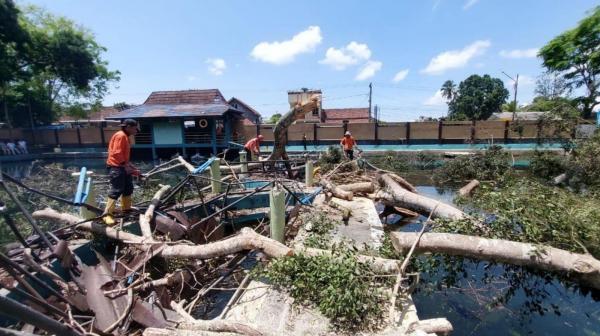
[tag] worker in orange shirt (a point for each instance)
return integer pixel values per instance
(120, 170)
(348, 143)
(253, 146)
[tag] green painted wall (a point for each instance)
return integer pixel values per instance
(167, 133)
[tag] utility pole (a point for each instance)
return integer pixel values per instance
(370, 95)
(515, 87)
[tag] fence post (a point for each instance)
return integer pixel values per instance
(440, 126)
(408, 133)
(102, 138)
(315, 140)
(56, 136)
(473, 126)
(539, 132)
(309, 173)
(277, 220)
(215, 176)
(78, 136)
(506, 128)
(376, 131)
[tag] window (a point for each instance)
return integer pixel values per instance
(315, 112)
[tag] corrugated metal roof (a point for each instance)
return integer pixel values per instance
(175, 110)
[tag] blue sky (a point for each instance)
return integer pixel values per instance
(257, 50)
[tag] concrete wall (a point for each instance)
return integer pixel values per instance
(395, 131)
(330, 132)
(457, 130)
(489, 130)
(362, 131)
(296, 130)
(424, 130)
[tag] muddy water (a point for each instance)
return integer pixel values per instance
(540, 305)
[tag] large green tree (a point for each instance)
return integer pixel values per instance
(575, 55)
(12, 40)
(55, 67)
(477, 98)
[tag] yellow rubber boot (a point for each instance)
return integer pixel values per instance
(125, 203)
(109, 210)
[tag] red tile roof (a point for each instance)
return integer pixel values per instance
(360, 114)
(199, 97)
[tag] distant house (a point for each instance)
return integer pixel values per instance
(251, 116)
(185, 122)
(352, 115)
(101, 114)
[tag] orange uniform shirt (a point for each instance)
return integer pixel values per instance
(118, 149)
(252, 145)
(348, 143)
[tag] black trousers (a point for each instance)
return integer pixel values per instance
(121, 183)
(349, 153)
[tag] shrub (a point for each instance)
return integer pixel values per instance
(547, 165)
(492, 164)
(344, 290)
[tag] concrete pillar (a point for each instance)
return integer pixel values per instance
(243, 161)
(215, 175)
(277, 223)
(309, 173)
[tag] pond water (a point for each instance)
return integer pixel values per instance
(538, 305)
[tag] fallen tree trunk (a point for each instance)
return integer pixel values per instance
(468, 189)
(360, 187)
(146, 218)
(432, 326)
(246, 240)
(393, 194)
(190, 323)
(336, 191)
(584, 267)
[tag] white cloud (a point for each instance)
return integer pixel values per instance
(191, 78)
(469, 4)
(400, 75)
(352, 54)
(216, 66)
(519, 53)
(456, 58)
(436, 100)
(282, 52)
(368, 70)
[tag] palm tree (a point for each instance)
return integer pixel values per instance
(448, 90)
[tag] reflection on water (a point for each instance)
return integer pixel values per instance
(482, 298)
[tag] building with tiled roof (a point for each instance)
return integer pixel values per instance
(251, 116)
(184, 122)
(339, 115)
